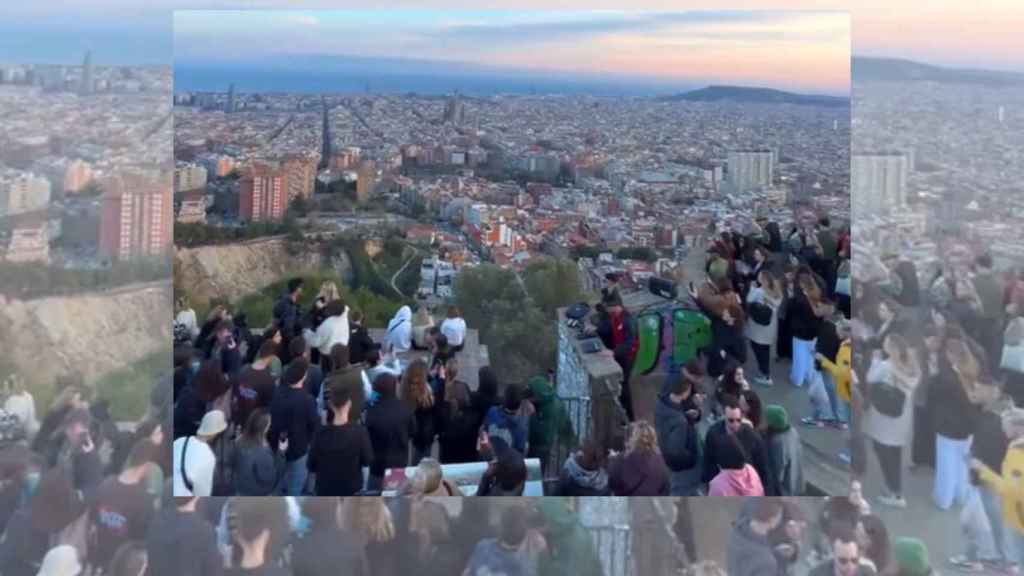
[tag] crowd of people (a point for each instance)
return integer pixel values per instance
(310, 403)
(783, 299)
(774, 536)
(939, 375)
(77, 492)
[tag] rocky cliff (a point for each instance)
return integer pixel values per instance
(88, 334)
(231, 271)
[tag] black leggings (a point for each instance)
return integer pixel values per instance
(763, 352)
(891, 460)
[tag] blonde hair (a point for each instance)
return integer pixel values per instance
(216, 312)
(415, 390)
(368, 517)
(329, 291)
(642, 437)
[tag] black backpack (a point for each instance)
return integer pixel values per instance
(887, 399)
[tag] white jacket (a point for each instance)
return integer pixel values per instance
(454, 329)
(334, 330)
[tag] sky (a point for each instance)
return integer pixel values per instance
(944, 32)
(803, 51)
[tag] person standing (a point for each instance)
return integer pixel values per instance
(762, 327)
(501, 555)
(359, 341)
(254, 386)
(293, 422)
(259, 469)
(340, 450)
(181, 541)
(736, 477)
(391, 425)
(891, 381)
(675, 422)
(121, 509)
(641, 471)
(955, 419)
(749, 551)
(398, 338)
(618, 331)
(194, 461)
(287, 316)
(332, 331)
(785, 451)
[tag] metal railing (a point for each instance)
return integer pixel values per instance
(614, 546)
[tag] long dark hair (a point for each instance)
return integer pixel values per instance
(254, 434)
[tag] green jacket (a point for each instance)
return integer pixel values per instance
(550, 422)
(570, 547)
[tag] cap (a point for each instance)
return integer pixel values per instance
(213, 423)
(61, 561)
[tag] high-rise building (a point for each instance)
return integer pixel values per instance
(749, 169)
(189, 176)
(231, 99)
(137, 216)
(366, 182)
(77, 175)
(455, 109)
(29, 244)
(301, 171)
(878, 182)
(22, 192)
(264, 193)
(87, 82)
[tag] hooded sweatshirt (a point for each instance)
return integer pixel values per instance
(578, 481)
(570, 547)
(549, 421)
(639, 473)
(742, 482)
(399, 334)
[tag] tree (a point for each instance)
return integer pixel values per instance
(299, 206)
(553, 284)
(584, 251)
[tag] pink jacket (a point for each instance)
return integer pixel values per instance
(743, 482)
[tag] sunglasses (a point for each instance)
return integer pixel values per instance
(845, 561)
(734, 420)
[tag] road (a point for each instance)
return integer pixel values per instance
(397, 274)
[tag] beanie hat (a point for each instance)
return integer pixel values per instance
(911, 556)
(776, 418)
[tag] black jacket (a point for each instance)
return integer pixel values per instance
(457, 432)
(605, 331)
(676, 435)
(755, 448)
(188, 412)
(337, 457)
(183, 543)
(287, 316)
(990, 442)
(391, 426)
(359, 344)
(293, 412)
(802, 321)
(953, 414)
(828, 340)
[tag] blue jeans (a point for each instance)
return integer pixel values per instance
(840, 408)
(993, 505)
(295, 476)
(951, 474)
(821, 399)
(803, 361)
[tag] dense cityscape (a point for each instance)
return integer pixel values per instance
(85, 164)
(512, 176)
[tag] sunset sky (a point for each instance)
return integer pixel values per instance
(982, 34)
(804, 51)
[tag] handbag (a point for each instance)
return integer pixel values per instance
(1013, 358)
(887, 399)
(760, 312)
